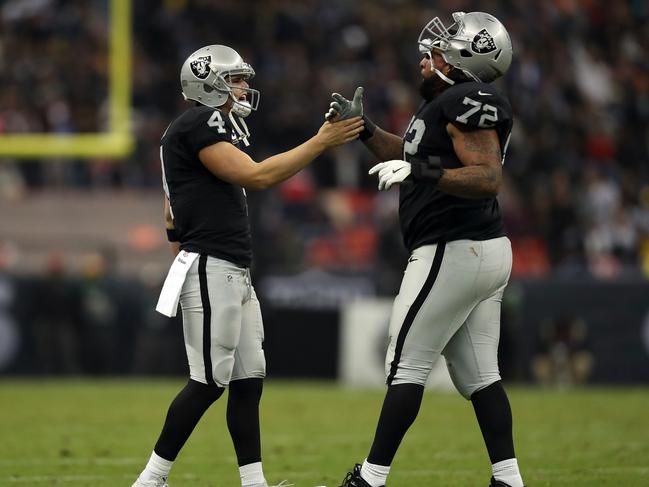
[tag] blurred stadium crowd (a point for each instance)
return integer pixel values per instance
(576, 196)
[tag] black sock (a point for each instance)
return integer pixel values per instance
(400, 408)
(184, 413)
(243, 419)
(494, 416)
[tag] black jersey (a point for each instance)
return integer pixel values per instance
(210, 215)
(428, 215)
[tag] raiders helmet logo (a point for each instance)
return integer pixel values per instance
(483, 43)
(201, 66)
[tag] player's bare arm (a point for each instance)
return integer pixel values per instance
(384, 145)
(479, 151)
(230, 164)
(169, 226)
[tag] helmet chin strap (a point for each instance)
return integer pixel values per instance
(443, 76)
(437, 71)
(244, 133)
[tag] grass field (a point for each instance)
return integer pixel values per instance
(100, 433)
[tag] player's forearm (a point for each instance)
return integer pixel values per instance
(471, 182)
(282, 166)
(384, 145)
(170, 228)
(174, 247)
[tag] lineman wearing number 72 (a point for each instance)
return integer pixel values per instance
(448, 167)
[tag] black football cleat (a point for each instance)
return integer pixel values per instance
(498, 483)
(354, 479)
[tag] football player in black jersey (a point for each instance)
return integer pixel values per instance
(205, 177)
(448, 167)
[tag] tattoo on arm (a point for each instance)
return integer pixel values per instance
(470, 181)
(477, 142)
(481, 175)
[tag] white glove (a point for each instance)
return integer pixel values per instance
(343, 108)
(391, 172)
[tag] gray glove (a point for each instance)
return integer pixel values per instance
(341, 108)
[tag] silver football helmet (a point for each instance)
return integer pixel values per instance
(476, 43)
(205, 74)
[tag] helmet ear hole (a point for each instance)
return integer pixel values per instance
(465, 53)
(498, 54)
(208, 89)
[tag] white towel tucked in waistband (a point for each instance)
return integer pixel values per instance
(170, 294)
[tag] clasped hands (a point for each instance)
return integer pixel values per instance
(389, 172)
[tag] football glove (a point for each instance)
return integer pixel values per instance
(391, 172)
(342, 108)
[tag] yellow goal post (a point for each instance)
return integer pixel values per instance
(118, 141)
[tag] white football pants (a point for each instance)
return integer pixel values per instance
(222, 323)
(449, 304)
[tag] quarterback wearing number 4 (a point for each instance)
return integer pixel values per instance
(448, 167)
(205, 175)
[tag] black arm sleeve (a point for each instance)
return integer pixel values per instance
(430, 170)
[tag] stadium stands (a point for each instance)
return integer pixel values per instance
(576, 199)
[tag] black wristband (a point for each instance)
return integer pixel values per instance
(430, 171)
(172, 235)
(368, 130)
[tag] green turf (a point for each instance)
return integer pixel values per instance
(100, 433)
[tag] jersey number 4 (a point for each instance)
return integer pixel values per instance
(489, 116)
(217, 121)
